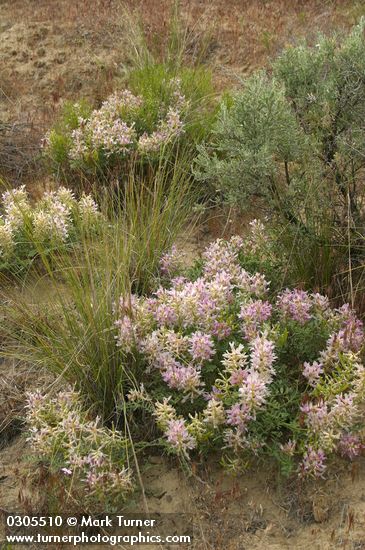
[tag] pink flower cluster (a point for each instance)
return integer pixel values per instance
(348, 338)
(302, 306)
(253, 316)
(221, 323)
(312, 372)
(295, 304)
(170, 262)
(313, 463)
(167, 130)
(178, 436)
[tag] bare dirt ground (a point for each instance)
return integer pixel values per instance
(51, 51)
(254, 511)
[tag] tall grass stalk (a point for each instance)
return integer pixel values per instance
(70, 331)
(187, 42)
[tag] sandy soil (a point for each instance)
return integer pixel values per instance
(255, 511)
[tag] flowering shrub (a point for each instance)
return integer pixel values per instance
(234, 367)
(55, 220)
(127, 126)
(89, 457)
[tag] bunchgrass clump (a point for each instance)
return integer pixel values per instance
(70, 332)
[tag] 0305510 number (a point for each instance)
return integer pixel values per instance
(33, 521)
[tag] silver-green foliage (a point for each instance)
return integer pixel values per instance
(304, 120)
(292, 140)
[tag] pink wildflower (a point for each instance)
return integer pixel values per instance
(253, 315)
(312, 372)
(350, 446)
(313, 463)
(295, 304)
(201, 346)
(178, 436)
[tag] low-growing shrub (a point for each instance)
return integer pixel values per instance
(253, 374)
(166, 111)
(291, 142)
(91, 460)
(49, 226)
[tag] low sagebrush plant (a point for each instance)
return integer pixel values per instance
(291, 142)
(231, 366)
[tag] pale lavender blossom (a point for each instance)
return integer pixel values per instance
(114, 136)
(313, 463)
(288, 448)
(254, 391)
(253, 315)
(168, 129)
(262, 355)
(296, 304)
(258, 284)
(239, 415)
(221, 330)
(344, 409)
(170, 262)
(79, 148)
(312, 372)
(350, 338)
(126, 333)
(350, 446)
(178, 436)
(52, 220)
(201, 346)
(316, 414)
(166, 315)
(184, 378)
(235, 439)
(220, 256)
(238, 376)
(320, 303)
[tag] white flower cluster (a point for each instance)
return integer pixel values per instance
(16, 210)
(6, 241)
(51, 219)
(84, 451)
(111, 129)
